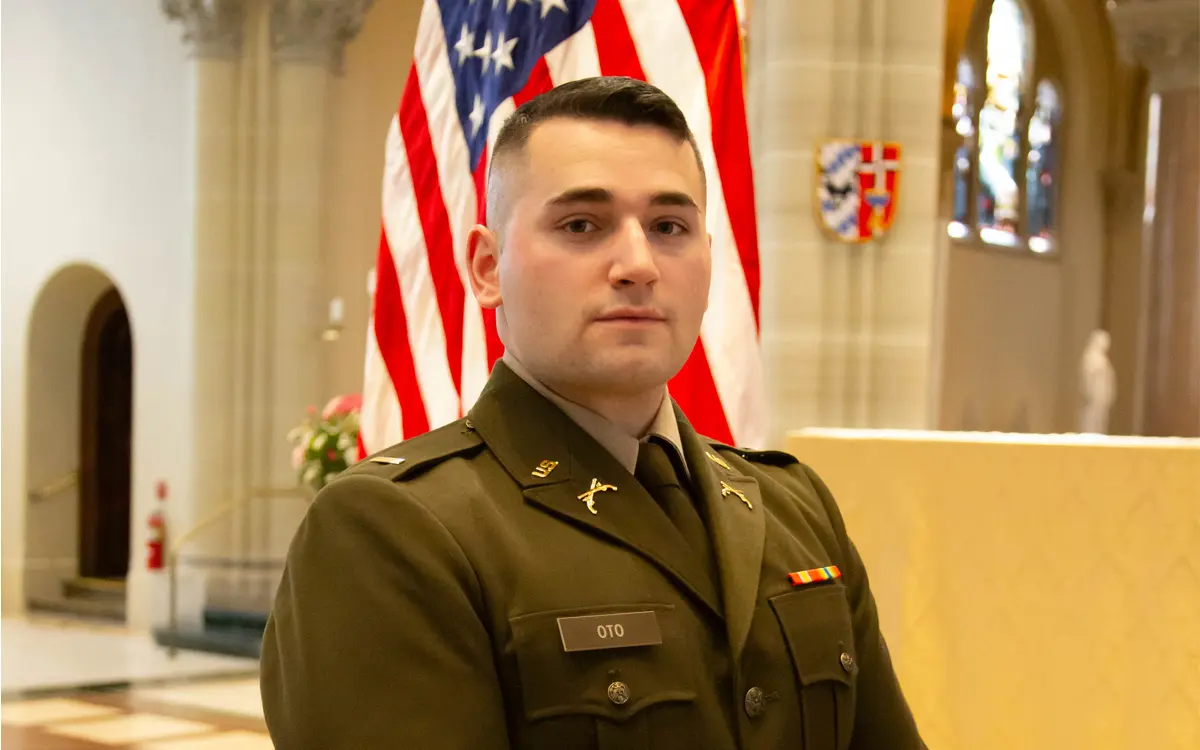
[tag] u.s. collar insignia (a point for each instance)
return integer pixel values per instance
(544, 468)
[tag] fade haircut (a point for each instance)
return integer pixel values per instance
(607, 99)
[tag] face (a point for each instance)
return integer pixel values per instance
(601, 277)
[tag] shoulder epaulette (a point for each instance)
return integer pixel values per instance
(416, 454)
(771, 457)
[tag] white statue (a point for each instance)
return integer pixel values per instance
(1098, 382)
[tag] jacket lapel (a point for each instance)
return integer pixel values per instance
(737, 526)
(526, 431)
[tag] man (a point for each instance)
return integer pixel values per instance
(572, 566)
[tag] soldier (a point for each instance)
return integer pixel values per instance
(571, 566)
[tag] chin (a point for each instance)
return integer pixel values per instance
(631, 375)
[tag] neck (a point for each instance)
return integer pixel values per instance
(633, 413)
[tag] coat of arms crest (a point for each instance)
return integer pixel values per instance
(857, 183)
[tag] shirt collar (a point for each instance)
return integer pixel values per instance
(623, 446)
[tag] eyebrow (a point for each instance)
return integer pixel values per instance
(600, 195)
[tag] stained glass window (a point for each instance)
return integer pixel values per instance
(1041, 169)
(999, 134)
(964, 129)
(1006, 140)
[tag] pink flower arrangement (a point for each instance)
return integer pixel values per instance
(325, 445)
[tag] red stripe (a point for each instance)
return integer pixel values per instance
(435, 222)
(714, 30)
(391, 334)
(614, 44)
(697, 395)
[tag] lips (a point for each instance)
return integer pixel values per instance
(633, 314)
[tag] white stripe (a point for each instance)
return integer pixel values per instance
(379, 423)
(728, 332)
(427, 339)
(434, 70)
(449, 143)
(575, 58)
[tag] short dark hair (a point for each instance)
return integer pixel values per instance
(606, 98)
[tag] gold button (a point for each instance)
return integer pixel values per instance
(848, 662)
(755, 702)
(618, 693)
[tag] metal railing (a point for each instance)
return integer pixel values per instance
(55, 486)
(223, 511)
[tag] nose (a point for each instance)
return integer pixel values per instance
(633, 256)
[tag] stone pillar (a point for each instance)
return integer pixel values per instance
(308, 39)
(849, 336)
(263, 80)
(307, 43)
(214, 31)
(1164, 37)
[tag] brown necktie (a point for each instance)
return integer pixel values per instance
(659, 475)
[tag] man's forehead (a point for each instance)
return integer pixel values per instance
(590, 157)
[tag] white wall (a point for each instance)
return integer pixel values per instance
(97, 103)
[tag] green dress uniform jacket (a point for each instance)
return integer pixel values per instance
(472, 598)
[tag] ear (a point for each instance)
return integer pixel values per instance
(483, 266)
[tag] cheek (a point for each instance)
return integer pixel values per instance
(695, 277)
(533, 290)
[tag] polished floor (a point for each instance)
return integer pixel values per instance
(69, 685)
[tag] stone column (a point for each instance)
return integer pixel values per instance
(214, 31)
(308, 40)
(1164, 37)
(848, 330)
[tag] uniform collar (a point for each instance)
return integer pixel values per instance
(613, 438)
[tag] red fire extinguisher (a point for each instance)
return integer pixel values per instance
(154, 544)
(156, 540)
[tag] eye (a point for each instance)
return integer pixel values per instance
(668, 227)
(578, 226)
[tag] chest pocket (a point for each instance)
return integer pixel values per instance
(632, 698)
(820, 638)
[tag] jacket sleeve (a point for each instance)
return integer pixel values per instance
(375, 638)
(882, 715)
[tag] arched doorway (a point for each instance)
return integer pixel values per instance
(78, 440)
(106, 429)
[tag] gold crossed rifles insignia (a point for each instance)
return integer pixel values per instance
(726, 491)
(589, 497)
(717, 460)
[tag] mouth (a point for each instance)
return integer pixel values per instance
(632, 315)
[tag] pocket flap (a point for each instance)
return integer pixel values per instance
(820, 635)
(555, 682)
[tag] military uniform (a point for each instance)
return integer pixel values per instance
(509, 584)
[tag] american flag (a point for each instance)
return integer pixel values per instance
(430, 346)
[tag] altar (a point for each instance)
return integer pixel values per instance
(1038, 592)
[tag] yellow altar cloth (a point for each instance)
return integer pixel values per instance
(1038, 592)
